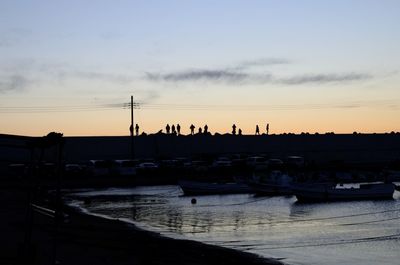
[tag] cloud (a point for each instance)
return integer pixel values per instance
(13, 83)
(199, 75)
(323, 78)
(107, 77)
(62, 71)
(229, 74)
(261, 62)
(239, 77)
(242, 73)
(19, 75)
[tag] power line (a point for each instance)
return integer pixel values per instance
(198, 107)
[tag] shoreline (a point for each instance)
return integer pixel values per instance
(171, 250)
(88, 239)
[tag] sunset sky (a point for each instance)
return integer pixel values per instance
(301, 66)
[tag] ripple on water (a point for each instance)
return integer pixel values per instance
(361, 232)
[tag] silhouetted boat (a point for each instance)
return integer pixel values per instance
(332, 192)
(209, 188)
(270, 189)
(274, 183)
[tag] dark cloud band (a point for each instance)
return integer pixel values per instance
(13, 83)
(324, 78)
(241, 77)
(198, 75)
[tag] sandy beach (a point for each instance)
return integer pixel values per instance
(85, 239)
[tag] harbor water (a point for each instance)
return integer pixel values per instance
(356, 232)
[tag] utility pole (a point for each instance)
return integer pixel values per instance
(132, 132)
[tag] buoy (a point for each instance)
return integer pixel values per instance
(193, 201)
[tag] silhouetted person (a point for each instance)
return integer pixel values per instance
(233, 129)
(178, 129)
(240, 131)
(137, 129)
(167, 128)
(200, 130)
(257, 130)
(205, 129)
(267, 128)
(192, 129)
(131, 130)
(173, 129)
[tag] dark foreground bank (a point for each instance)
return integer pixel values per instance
(86, 239)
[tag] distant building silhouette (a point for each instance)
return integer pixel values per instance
(192, 129)
(233, 129)
(167, 128)
(178, 129)
(257, 130)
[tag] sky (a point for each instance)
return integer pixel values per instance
(301, 66)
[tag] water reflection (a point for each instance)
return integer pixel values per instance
(365, 232)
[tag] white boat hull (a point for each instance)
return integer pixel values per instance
(318, 192)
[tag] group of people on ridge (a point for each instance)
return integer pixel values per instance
(176, 130)
(173, 130)
(257, 129)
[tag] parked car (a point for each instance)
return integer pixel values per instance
(222, 162)
(73, 170)
(255, 161)
(126, 167)
(147, 165)
(100, 167)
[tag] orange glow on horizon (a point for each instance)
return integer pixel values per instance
(115, 123)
